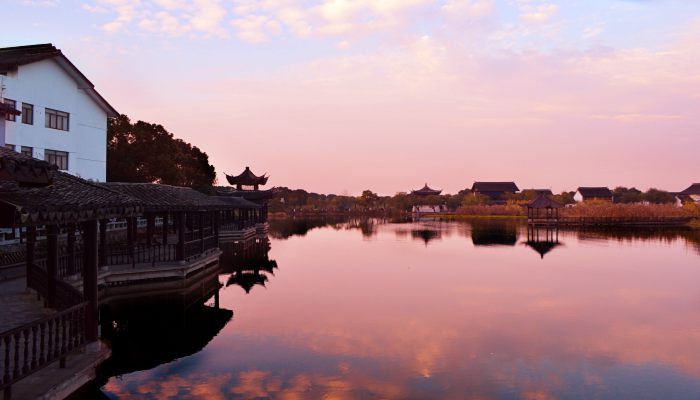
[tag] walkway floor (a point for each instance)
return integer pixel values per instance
(19, 307)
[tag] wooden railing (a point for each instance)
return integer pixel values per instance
(64, 265)
(141, 254)
(28, 348)
(236, 225)
(66, 295)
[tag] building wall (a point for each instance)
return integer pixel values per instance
(578, 197)
(46, 85)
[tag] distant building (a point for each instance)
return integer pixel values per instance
(426, 191)
(496, 191)
(422, 194)
(692, 192)
(593, 193)
(62, 120)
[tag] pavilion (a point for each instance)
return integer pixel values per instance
(422, 195)
(247, 186)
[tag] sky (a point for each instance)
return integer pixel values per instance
(338, 96)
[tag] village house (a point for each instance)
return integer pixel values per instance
(593, 193)
(691, 194)
(59, 116)
(495, 191)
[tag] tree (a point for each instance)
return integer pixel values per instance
(145, 152)
(656, 196)
(624, 195)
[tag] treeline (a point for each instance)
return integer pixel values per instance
(146, 152)
(299, 201)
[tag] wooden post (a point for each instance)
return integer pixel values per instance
(130, 233)
(90, 279)
(51, 263)
(201, 231)
(31, 245)
(102, 261)
(150, 228)
(180, 236)
(165, 228)
(70, 249)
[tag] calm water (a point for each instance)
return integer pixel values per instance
(371, 310)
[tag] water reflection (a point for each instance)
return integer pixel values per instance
(607, 314)
(247, 263)
(542, 239)
(494, 233)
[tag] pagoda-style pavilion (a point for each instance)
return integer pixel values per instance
(426, 191)
(247, 185)
(543, 211)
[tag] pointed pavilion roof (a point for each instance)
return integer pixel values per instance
(426, 191)
(542, 248)
(543, 201)
(247, 178)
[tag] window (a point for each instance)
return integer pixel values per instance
(27, 114)
(11, 117)
(27, 151)
(57, 119)
(10, 146)
(58, 158)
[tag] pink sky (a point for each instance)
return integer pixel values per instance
(337, 96)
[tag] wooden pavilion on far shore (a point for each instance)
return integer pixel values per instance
(543, 211)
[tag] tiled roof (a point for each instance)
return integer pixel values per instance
(158, 197)
(543, 201)
(426, 191)
(693, 189)
(495, 187)
(237, 202)
(603, 192)
(13, 57)
(247, 177)
(37, 193)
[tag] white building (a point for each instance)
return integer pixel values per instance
(63, 120)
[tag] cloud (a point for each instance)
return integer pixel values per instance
(537, 13)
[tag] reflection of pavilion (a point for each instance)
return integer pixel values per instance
(248, 263)
(542, 239)
(426, 235)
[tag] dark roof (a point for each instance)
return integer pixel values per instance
(251, 195)
(13, 57)
(34, 192)
(542, 247)
(247, 177)
(495, 187)
(426, 191)
(538, 191)
(692, 189)
(237, 202)
(158, 197)
(595, 192)
(8, 109)
(543, 201)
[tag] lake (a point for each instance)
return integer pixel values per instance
(482, 309)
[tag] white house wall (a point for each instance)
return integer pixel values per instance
(45, 84)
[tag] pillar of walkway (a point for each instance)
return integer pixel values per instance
(31, 245)
(70, 249)
(165, 228)
(102, 260)
(90, 278)
(200, 221)
(180, 218)
(150, 227)
(51, 263)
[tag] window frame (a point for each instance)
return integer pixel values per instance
(23, 150)
(62, 119)
(52, 156)
(27, 116)
(10, 146)
(13, 103)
